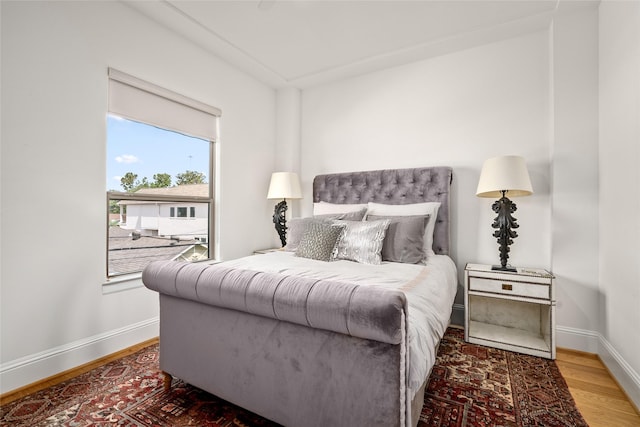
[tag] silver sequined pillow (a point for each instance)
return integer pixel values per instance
(319, 240)
(296, 228)
(361, 241)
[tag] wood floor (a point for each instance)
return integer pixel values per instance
(597, 395)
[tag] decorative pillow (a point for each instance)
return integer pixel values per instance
(295, 230)
(361, 241)
(324, 208)
(404, 241)
(428, 208)
(347, 216)
(319, 240)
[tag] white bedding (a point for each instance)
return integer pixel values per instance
(430, 290)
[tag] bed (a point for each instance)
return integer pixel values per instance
(308, 341)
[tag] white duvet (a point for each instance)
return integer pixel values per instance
(430, 290)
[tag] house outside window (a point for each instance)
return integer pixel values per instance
(159, 176)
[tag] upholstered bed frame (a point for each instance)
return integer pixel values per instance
(392, 187)
(250, 345)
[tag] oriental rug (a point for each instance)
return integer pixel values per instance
(470, 385)
(473, 385)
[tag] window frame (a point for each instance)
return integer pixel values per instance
(208, 133)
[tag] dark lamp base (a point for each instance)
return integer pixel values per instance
(501, 268)
(279, 219)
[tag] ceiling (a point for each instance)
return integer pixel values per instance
(304, 43)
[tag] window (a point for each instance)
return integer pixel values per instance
(160, 169)
(182, 212)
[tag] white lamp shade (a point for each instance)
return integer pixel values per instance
(508, 173)
(284, 185)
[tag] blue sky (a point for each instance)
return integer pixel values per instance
(146, 150)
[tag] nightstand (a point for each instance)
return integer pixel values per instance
(266, 251)
(511, 311)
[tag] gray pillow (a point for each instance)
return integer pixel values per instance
(404, 239)
(319, 240)
(347, 216)
(361, 241)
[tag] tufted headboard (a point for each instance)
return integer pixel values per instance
(392, 187)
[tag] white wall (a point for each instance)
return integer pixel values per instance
(457, 110)
(574, 50)
(54, 314)
(287, 150)
(619, 278)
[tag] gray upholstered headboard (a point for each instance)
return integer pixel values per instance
(392, 187)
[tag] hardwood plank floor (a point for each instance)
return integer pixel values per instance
(597, 395)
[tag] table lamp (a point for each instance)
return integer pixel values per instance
(501, 177)
(283, 185)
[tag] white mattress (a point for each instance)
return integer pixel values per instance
(430, 291)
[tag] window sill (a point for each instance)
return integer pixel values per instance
(132, 281)
(122, 283)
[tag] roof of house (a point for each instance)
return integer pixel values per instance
(127, 255)
(198, 190)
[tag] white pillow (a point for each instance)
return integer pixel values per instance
(427, 208)
(324, 208)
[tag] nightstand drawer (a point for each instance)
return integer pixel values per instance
(507, 287)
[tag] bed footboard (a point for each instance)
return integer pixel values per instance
(299, 351)
(289, 373)
(361, 311)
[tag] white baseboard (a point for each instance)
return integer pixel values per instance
(577, 339)
(594, 342)
(626, 376)
(36, 367)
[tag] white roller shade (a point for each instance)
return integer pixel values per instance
(138, 100)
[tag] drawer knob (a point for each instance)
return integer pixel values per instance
(506, 287)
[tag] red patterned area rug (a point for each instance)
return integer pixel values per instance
(473, 385)
(470, 386)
